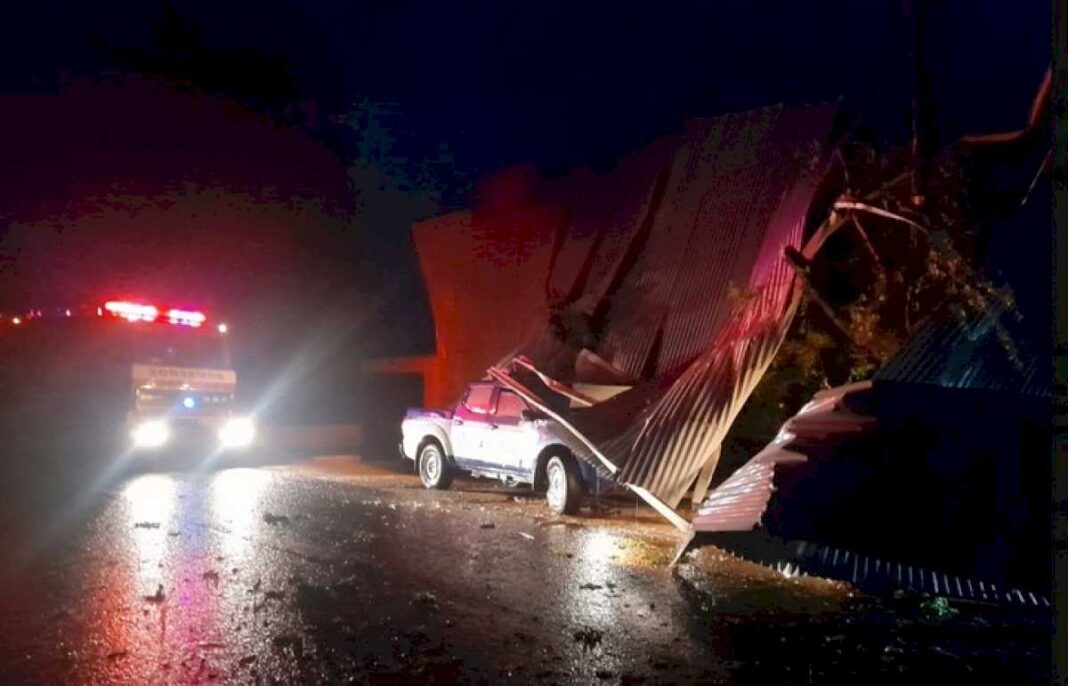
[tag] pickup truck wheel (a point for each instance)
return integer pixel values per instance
(564, 485)
(433, 470)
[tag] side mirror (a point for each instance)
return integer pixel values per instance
(533, 415)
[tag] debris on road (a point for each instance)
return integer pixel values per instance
(588, 637)
(118, 654)
(146, 525)
(273, 519)
(488, 525)
(527, 536)
(425, 598)
(158, 597)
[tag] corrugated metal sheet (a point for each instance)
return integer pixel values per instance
(726, 183)
(739, 503)
(968, 355)
(737, 195)
(827, 492)
(604, 222)
(675, 436)
(871, 573)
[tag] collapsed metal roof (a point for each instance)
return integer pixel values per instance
(685, 299)
(995, 350)
(824, 497)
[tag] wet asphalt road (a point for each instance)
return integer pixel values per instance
(337, 572)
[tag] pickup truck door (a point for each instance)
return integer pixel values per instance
(510, 441)
(470, 425)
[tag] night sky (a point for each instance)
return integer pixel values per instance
(564, 84)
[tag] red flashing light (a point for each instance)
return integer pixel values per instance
(133, 312)
(140, 312)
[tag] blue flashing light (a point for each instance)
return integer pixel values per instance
(189, 403)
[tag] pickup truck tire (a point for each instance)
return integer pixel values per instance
(434, 470)
(563, 485)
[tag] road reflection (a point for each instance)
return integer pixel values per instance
(167, 585)
(234, 502)
(150, 504)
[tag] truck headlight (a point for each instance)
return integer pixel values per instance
(150, 434)
(237, 433)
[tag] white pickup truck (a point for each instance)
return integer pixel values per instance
(494, 433)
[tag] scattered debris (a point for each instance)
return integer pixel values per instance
(527, 536)
(588, 637)
(212, 576)
(174, 533)
(118, 654)
(273, 519)
(211, 645)
(256, 586)
(146, 525)
(591, 587)
(158, 597)
(246, 661)
(425, 598)
(274, 595)
(603, 674)
(488, 525)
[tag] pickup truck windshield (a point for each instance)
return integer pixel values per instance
(478, 398)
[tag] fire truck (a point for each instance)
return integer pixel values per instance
(140, 376)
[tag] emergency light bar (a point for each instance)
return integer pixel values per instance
(133, 312)
(139, 312)
(185, 317)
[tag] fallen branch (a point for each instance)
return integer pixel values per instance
(800, 265)
(871, 209)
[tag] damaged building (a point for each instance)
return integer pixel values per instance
(619, 287)
(640, 309)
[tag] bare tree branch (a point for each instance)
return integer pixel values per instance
(800, 266)
(871, 209)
